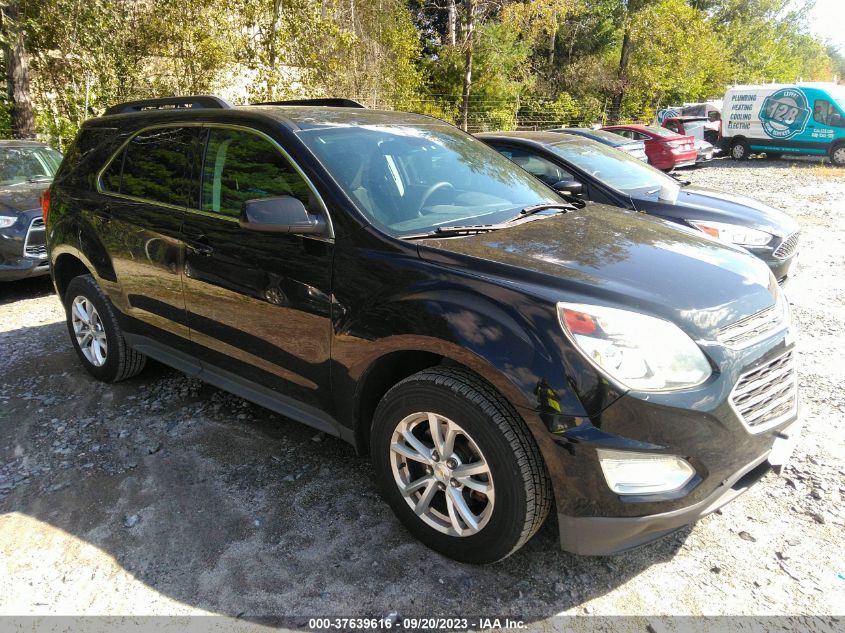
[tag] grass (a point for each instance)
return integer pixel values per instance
(823, 170)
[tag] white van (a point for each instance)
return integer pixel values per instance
(803, 118)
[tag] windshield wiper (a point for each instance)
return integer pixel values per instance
(474, 229)
(536, 208)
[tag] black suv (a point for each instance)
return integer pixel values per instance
(391, 280)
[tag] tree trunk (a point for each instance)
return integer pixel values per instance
(17, 76)
(616, 104)
(272, 52)
(451, 22)
(469, 9)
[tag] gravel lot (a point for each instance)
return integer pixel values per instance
(162, 495)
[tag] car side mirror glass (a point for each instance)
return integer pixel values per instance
(570, 187)
(283, 214)
(836, 120)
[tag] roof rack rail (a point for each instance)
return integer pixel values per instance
(330, 102)
(168, 103)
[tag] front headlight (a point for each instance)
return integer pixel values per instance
(733, 233)
(7, 221)
(641, 352)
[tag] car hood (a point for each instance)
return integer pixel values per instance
(605, 255)
(21, 197)
(709, 204)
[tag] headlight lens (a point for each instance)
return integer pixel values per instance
(7, 221)
(641, 352)
(644, 473)
(733, 233)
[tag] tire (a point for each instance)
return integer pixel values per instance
(837, 155)
(740, 150)
(773, 155)
(115, 360)
(518, 492)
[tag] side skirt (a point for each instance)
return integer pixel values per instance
(246, 389)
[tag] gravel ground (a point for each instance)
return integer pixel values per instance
(162, 495)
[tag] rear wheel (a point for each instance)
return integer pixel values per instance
(740, 150)
(458, 467)
(837, 155)
(95, 333)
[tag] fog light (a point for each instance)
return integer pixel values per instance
(644, 473)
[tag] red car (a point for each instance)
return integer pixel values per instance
(665, 149)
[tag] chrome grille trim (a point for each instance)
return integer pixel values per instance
(36, 251)
(788, 247)
(768, 395)
(753, 328)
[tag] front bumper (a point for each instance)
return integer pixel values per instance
(599, 536)
(23, 250)
(705, 425)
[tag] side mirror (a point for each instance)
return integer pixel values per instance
(569, 187)
(284, 214)
(836, 120)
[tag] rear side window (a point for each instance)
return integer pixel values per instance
(154, 166)
(241, 166)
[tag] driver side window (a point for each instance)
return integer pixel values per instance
(241, 166)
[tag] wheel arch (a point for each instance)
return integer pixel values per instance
(65, 267)
(392, 367)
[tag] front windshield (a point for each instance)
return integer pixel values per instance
(28, 164)
(412, 179)
(614, 167)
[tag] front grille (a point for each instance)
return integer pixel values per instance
(34, 246)
(788, 247)
(768, 395)
(752, 328)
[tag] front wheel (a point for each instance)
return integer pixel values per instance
(740, 150)
(458, 467)
(96, 334)
(837, 155)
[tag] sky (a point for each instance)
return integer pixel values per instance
(828, 21)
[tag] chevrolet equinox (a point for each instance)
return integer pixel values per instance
(384, 277)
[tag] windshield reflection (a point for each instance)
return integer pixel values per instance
(412, 179)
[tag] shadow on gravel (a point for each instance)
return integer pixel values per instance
(226, 507)
(760, 163)
(11, 291)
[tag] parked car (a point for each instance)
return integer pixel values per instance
(666, 150)
(703, 152)
(26, 169)
(702, 128)
(393, 281)
(634, 148)
(777, 119)
(578, 166)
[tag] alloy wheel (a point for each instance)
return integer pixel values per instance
(442, 474)
(839, 155)
(89, 332)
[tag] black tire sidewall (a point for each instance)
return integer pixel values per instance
(503, 531)
(86, 286)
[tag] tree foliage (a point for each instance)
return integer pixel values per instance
(535, 63)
